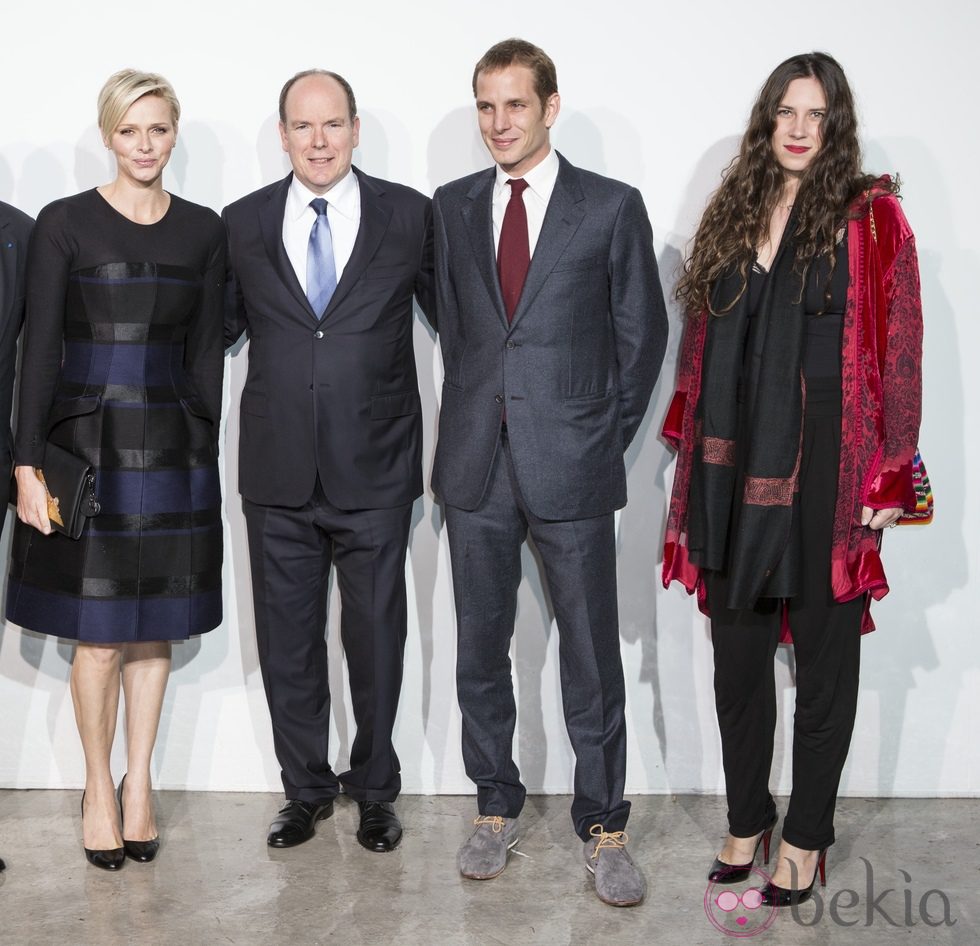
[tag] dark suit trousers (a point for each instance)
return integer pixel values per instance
(579, 559)
(827, 644)
(291, 551)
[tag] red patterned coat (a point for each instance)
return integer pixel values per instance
(880, 407)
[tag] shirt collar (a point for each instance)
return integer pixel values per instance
(343, 197)
(540, 179)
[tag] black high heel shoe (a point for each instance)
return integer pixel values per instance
(722, 873)
(112, 859)
(140, 851)
(775, 896)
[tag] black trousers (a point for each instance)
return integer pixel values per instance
(826, 638)
(291, 551)
(579, 559)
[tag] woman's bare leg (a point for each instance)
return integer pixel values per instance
(95, 694)
(145, 671)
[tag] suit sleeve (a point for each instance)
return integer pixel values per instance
(14, 306)
(50, 256)
(204, 351)
(639, 315)
(235, 319)
(425, 278)
(444, 294)
(901, 382)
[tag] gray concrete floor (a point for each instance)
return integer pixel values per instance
(216, 882)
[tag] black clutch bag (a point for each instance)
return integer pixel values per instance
(70, 484)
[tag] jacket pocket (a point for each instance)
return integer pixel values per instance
(594, 395)
(395, 405)
(194, 405)
(72, 407)
(254, 404)
(582, 262)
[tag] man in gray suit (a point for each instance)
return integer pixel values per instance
(15, 229)
(553, 329)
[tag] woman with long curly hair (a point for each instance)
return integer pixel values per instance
(796, 420)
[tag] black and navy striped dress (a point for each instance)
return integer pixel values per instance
(122, 364)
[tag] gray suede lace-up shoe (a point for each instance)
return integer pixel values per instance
(484, 855)
(617, 880)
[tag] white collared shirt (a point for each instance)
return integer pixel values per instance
(343, 214)
(540, 183)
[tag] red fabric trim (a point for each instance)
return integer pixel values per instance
(769, 490)
(674, 421)
(892, 489)
(718, 450)
(678, 567)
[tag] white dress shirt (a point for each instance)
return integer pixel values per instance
(343, 215)
(540, 183)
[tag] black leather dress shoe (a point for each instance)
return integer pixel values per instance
(296, 822)
(379, 830)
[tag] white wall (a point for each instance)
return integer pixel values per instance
(654, 94)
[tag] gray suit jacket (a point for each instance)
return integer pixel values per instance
(576, 367)
(15, 229)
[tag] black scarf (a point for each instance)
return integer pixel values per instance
(749, 422)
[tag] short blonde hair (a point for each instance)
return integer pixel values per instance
(125, 87)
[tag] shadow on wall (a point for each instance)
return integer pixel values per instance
(669, 665)
(423, 553)
(6, 181)
(94, 164)
(455, 148)
(236, 549)
(601, 140)
(42, 178)
(273, 161)
(198, 162)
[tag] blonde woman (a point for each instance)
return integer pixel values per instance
(122, 366)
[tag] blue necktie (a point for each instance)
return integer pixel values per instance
(321, 273)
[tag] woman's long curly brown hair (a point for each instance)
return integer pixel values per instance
(736, 220)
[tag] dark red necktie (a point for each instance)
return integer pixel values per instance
(513, 251)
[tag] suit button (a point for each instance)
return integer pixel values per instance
(318, 334)
(510, 345)
(499, 398)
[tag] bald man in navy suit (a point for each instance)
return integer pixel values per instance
(325, 265)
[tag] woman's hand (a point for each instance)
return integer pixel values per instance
(879, 518)
(32, 499)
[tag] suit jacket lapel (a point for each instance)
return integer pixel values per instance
(563, 217)
(375, 217)
(478, 216)
(270, 221)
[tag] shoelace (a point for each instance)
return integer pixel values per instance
(495, 821)
(609, 839)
